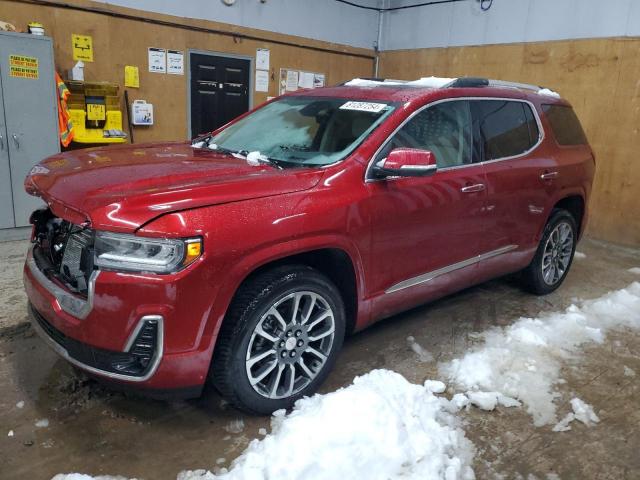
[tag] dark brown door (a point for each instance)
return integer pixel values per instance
(219, 91)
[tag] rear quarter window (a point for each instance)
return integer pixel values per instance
(565, 125)
(508, 128)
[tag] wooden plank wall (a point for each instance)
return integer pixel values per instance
(118, 42)
(600, 77)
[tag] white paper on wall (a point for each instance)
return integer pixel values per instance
(305, 80)
(175, 62)
(262, 81)
(157, 60)
(262, 59)
(292, 81)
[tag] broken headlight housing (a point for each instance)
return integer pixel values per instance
(117, 251)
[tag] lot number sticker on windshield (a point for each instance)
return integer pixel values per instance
(364, 106)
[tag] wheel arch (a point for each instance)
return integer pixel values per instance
(575, 205)
(338, 260)
(335, 263)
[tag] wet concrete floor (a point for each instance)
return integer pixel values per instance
(94, 430)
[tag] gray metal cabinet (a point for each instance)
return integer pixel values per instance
(28, 120)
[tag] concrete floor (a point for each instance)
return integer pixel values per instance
(93, 430)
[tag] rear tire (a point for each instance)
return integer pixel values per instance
(279, 339)
(554, 255)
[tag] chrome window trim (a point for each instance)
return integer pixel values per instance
(60, 350)
(426, 277)
(68, 302)
(541, 134)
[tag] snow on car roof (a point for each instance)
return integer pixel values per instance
(446, 82)
(424, 82)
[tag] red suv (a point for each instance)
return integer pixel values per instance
(246, 256)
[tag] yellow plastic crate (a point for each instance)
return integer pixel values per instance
(95, 135)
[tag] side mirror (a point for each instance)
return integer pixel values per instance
(406, 162)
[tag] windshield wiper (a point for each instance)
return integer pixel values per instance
(202, 140)
(205, 141)
(261, 158)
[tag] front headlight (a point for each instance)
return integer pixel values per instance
(118, 251)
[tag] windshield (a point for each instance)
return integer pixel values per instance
(304, 130)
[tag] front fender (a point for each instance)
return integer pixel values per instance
(275, 252)
(241, 237)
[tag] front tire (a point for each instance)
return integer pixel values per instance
(279, 340)
(554, 255)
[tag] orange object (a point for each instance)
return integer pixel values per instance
(65, 125)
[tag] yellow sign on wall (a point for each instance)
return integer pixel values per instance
(23, 67)
(82, 47)
(131, 76)
(95, 111)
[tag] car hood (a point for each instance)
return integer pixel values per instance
(121, 188)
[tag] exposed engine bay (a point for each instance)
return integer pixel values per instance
(63, 251)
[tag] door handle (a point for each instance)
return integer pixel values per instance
(548, 175)
(1, 142)
(16, 141)
(478, 187)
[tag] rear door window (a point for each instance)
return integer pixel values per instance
(508, 128)
(565, 125)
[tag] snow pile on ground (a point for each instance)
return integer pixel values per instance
(522, 361)
(582, 412)
(423, 355)
(635, 270)
(490, 400)
(235, 426)
(42, 423)
(380, 427)
(629, 372)
(384, 427)
(435, 386)
(579, 255)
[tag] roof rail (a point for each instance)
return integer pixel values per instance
(470, 82)
(522, 86)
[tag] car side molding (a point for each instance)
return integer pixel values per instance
(426, 277)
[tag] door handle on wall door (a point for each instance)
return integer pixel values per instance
(478, 187)
(548, 175)
(16, 141)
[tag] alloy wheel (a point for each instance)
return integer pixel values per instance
(557, 253)
(290, 344)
